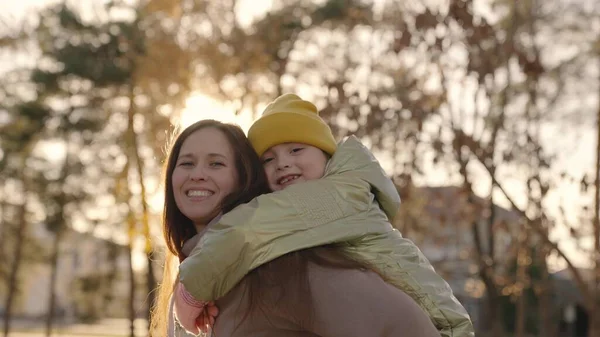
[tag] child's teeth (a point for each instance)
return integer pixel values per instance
(289, 179)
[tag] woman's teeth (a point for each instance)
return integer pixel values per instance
(195, 193)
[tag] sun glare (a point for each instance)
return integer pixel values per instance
(199, 107)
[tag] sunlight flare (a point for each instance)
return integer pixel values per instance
(199, 107)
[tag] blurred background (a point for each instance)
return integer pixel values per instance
(484, 112)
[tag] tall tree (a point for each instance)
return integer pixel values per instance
(595, 307)
(137, 61)
(535, 72)
(22, 132)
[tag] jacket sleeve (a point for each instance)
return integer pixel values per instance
(174, 329)
(270, 226)
(357, 303)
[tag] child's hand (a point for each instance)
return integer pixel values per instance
(188, 309)
(206, 320)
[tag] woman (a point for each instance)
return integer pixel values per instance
(211, 168)
(315, 292)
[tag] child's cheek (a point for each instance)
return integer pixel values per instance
(274, 187)
(272, 183)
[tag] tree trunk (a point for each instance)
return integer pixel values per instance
(53, 276)
(59, 225)
(16, 263)
(3, 224)
(151, 282)
(150, 279)
(131, 290)
(486, 273)
(130, 143)
(495, 313)
(131, 234)
(521, 305)
(492, 288)
(494, 317)
(4, 229)
(594, 323)
(132, 148)
(548, 324)
(521, 314)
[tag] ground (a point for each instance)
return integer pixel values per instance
(104, 328)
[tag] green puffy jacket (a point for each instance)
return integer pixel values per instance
(345, 206)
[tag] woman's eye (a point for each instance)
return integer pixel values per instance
(217, 163)
(297, 149)
(185, 163)
(267, 160)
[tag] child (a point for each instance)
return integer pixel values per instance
(323, 194)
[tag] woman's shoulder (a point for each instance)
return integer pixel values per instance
(345, 278)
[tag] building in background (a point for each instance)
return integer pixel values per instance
(92, 280)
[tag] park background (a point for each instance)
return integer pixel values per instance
(486, 113)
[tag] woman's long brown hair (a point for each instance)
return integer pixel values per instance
(177, 228)
(283, 285)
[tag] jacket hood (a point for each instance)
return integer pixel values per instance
(353, 158)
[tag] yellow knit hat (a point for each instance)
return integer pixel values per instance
(289, 119)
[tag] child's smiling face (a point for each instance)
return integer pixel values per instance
(289, 163)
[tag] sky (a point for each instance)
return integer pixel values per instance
(573, 146)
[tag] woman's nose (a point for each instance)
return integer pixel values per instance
(198, 174)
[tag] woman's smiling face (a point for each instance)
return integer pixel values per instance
(204, 175)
